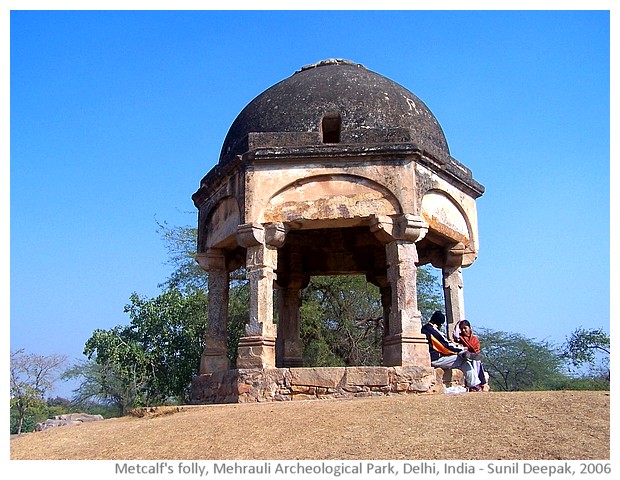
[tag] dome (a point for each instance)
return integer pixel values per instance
(337, 101)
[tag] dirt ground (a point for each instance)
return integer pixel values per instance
(468, 426)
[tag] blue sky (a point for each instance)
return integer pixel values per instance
(115, 116)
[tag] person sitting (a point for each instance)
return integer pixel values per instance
(464, 335)
(445, 354)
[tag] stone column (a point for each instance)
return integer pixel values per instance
(214, 357)
(386, 306)
(453, 286)
(290, 282)
(289, 347)
(257, 347)
(403, 344)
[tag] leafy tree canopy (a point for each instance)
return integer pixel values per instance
(515, 362)
(32, 376)
(589, 347)
(151, 359)
(582, 345)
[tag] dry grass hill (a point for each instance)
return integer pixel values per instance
(469, 426)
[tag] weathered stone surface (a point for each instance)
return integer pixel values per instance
(414, 379)
(372, 101)
(333, 197)
(367, 376)
(303, 396)
(282, 384)
(450, 377)
(66, 420)
(256, 352)
(318, 376)
(243, 388)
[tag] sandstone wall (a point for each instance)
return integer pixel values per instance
(284, 384)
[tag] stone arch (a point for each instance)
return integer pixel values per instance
(222, 222)
(445, 216)
(338, 198)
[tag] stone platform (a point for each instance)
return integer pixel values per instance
(284, 384)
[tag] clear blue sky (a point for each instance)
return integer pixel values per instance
(116, 116)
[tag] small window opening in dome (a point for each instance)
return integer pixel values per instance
(330, 127)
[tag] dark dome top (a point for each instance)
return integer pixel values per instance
(368, 106)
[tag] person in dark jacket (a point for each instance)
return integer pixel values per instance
(445, 354)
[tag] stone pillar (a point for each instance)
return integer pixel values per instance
(257, 347)
(386, 306)
(214, 357)
(403, 344)
(453, 287)
(385, 290)
(289, 348)
(291, 281)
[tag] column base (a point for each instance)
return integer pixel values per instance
(256, 352)
(406, 350)
(290, 354)
(213, 361)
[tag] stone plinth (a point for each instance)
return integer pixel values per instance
(284, 384)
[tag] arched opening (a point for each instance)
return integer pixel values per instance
(341, 322)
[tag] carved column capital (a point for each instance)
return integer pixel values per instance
(469, 256)
(253, 234)
(454, 255)
(250, 234)
(383, 228)
(410, 228)
(212, 259)
(275, 234)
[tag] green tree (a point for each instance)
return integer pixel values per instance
(342, 318)
(170, 330)
(37, 412)
(180, 243)
(341, 321)
(106, 383)
(515, 362)
(589, 346)
(150, 361)
(32, 376)
(120, 370)
(430, 295)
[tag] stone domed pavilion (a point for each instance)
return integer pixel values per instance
(334, 170)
